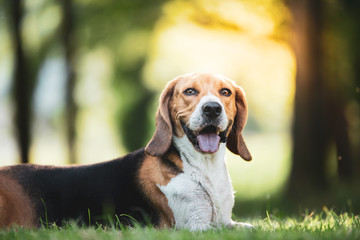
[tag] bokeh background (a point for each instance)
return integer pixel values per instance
(80, 81)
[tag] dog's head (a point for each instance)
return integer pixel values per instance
(208, 108)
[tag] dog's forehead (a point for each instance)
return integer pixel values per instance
(204, 81)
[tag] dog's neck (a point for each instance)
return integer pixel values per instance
(199, 160)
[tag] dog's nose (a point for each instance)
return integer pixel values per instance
(212, 109)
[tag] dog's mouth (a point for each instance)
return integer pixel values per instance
(207, 139)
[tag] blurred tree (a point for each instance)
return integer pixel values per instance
(132, 113)
(350, 18)
(320, 101)
(22, 83)
(27, 64)
(68, 41)
(341, 60)
(98, 25)
(125, 28)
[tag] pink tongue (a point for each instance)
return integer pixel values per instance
(208, 142)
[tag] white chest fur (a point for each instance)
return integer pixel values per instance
(202, 196)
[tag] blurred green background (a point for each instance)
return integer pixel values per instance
(80, 81)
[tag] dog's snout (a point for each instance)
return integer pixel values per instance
(212, 109)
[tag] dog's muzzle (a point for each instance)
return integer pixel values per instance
(208, 139)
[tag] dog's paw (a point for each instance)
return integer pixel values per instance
(240, 225)
(198, 227)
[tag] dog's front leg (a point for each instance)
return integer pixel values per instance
(191, 206)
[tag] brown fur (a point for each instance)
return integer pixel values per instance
(15, 205)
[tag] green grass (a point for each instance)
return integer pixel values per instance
(324, 225)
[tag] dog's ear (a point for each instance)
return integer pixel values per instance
(235, 142)
(161, 140)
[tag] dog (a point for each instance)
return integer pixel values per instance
(179, 180)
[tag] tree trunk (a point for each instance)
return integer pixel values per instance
(352, 8)
(319, 116)
(71, 107)
(310, 125)
(22, 86)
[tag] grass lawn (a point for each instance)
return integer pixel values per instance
(324, 225)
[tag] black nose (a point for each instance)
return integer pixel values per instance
(212, 109)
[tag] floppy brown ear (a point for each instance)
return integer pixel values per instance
(161, 140)
(235, 142)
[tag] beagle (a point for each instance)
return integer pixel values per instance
(178, 180)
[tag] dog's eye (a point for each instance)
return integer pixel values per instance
(191, 91)
(225, 92)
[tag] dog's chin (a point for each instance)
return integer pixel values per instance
(207, 139)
